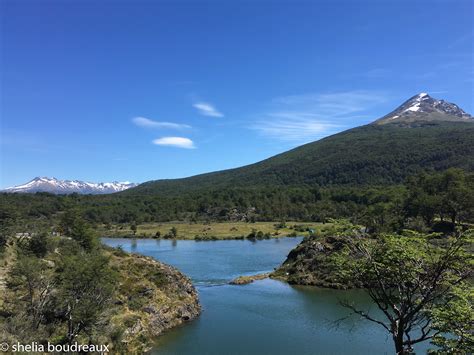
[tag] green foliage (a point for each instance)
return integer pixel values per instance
(418, 285)
(173, 232)
(252, 234)
(73, 226)
(85, 288)
(133, 227)
(84, 235)
(38, 244)
(7, 222)
(280, 225)
(68, 219)
(454, 322)
(443, 195)
(57, 296)
(32, 281)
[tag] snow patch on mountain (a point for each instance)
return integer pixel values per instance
(56, 186)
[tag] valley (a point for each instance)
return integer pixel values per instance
(237, 177)
(376, 220)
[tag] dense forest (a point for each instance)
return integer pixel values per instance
(423, 200)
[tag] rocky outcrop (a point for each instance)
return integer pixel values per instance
(149, 298)
(152, 298)
(243, 280)
(312, 262)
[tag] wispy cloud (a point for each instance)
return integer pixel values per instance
(294, 126)
(179, 142)
(207, 109)
(303, 118)
(146, 122)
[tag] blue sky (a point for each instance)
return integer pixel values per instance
(143, 90)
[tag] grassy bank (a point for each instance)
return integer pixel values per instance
(104, 295)
(218, 230)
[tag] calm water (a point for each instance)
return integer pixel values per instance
(265, 317)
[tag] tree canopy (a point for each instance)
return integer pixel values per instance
(420, 287)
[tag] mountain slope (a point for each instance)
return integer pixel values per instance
(55, 186)
(427, 134)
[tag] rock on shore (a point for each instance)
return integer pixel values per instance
(243, 280)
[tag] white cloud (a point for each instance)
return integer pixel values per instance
(146, 122)
(179, 142)
(303, 118)
(206, 109)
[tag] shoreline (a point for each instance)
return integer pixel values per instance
(214, 231)
(199, 238)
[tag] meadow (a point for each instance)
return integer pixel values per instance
(214, 230)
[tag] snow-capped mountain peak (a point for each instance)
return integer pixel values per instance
(417, 101)
(423, 107)
(56, 186)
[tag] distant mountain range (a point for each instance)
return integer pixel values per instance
(56, 186)
(421, 134)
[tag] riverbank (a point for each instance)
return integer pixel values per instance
(140, 299)
(152, 297)
(214, 230)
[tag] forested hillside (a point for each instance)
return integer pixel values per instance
(368, 155)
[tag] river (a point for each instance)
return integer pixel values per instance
(265, 317)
